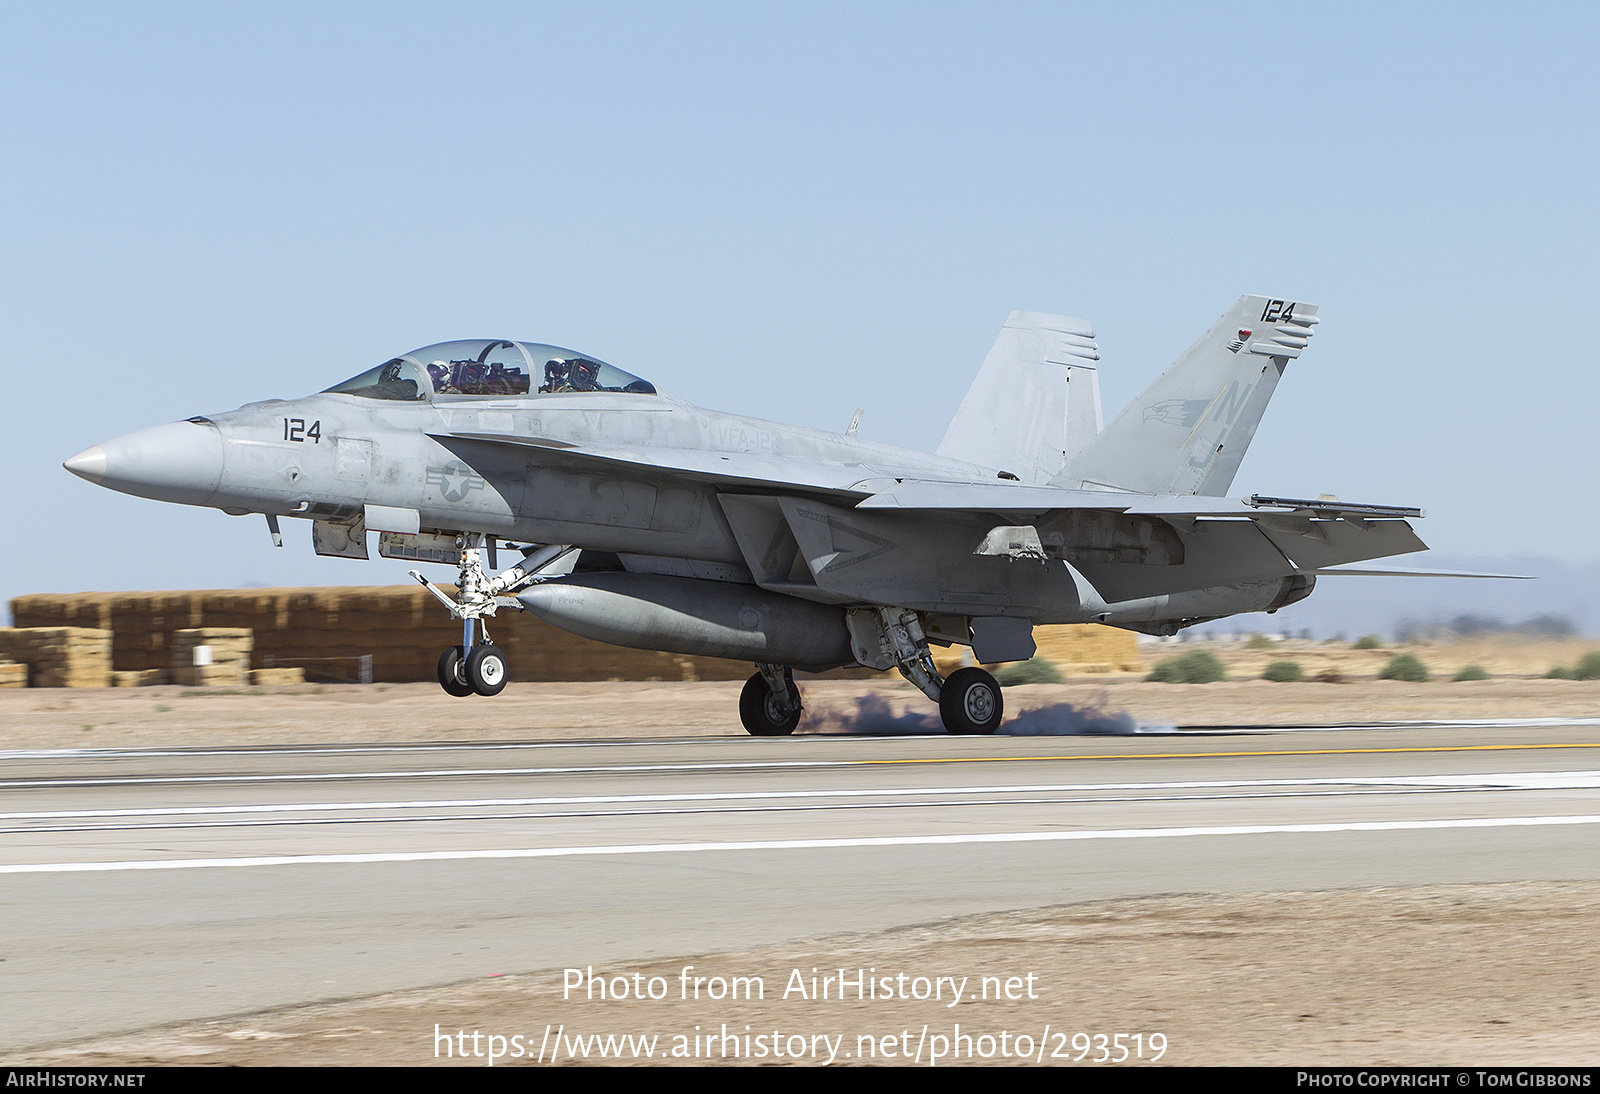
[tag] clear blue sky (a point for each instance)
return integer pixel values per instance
(792, 211)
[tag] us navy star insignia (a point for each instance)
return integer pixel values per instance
(455, 480)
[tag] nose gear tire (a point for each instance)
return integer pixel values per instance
(970, 703)
(451, 677)
(486, 670)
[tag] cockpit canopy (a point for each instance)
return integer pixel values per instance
(489, 367)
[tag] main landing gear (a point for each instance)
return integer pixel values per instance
(478, 666)
(769, 705)
(969, 700)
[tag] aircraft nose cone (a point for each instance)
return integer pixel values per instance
(180, 461)
(89, 464)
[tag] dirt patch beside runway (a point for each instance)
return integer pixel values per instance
(395, 713)
(1451, 975)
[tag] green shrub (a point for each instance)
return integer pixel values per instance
(1471, 672)
(1588, 667)
(1406, 667)
(1284, 672)
(1037, 670)
(1195, 667)
(1368, 642)
(1258, 641)
(1560, 672)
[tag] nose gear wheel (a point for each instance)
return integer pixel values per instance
(451, 677)
(486, 670)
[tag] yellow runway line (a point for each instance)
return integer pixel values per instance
(1225, 755)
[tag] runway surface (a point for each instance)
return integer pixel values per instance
(146, 886)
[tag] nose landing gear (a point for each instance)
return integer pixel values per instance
(478, 666)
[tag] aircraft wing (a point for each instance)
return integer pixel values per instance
(1310, 533)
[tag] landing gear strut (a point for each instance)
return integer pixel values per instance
(969, 701)
(769, 706)
(477, 666)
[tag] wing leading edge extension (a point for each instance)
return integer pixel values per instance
(733, 469)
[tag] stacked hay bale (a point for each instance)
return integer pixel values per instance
(264, 677)
(60, 657)
(326, 633)
(205, 656)
(1078, 649)
(138, 678)
(143, 625)
(13, 674)
(92, 610)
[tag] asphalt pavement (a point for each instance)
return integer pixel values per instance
(140, 887)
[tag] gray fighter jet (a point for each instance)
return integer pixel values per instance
(640, 520)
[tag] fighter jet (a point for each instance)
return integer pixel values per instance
(635, 518)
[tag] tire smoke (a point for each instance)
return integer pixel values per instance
(875, 716)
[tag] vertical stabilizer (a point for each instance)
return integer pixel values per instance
(1035, 402)
(1189, 431)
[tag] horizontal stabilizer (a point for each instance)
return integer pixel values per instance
(1313, 543)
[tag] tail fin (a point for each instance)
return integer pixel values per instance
(1189, 430)
(1035, 402)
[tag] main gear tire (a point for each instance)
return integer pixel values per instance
(763, 713)
(451, 675)
(970, 702)
(487, 671)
